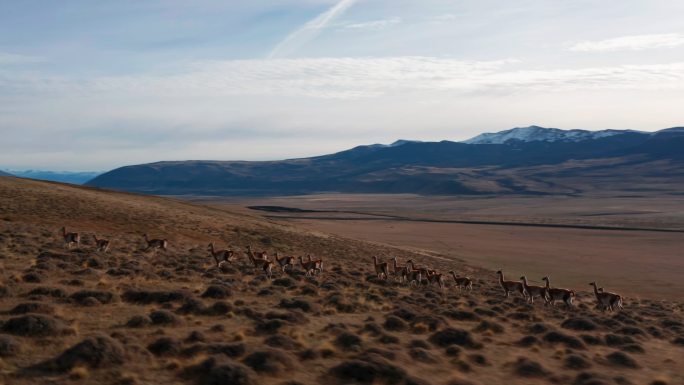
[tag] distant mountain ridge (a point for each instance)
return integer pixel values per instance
(529, 160)
(58, 176)
(2, 173)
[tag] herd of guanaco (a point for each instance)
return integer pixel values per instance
(408, 273)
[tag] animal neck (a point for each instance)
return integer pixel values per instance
(596, 292)
(501, 278)
(548, 284)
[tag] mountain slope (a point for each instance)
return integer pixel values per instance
(408, 167)
(172, 317)
(2, 173)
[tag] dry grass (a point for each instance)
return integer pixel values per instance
(128, 317)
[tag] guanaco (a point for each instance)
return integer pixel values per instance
(156, 243)
(606, 299)
(554, 294)
(533, 290)
(284, 262)
(381, 269)
(70, 238)
(220, 256)
(101, 244)
(510, 286)
(462, 282)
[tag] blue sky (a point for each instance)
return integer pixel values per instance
(92, 85)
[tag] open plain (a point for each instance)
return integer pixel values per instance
(630, 243)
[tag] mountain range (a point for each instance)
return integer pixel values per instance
(2, 173)
(527, 160)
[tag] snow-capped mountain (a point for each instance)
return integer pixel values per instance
(542, 134)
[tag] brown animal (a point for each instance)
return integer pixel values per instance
(223, 255)
(285, 262)
(533, 290)
(607, 300)
(101, 244)
(510, 286)
(311, 267)
(462, 282)
(554, 294)
(381, 269)
(157, 243)
(70, 238)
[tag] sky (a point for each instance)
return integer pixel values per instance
(93, 85)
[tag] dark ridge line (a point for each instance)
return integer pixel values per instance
(493, 223)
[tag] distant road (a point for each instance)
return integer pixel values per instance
(385, 217)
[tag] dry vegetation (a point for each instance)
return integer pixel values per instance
(130, 317)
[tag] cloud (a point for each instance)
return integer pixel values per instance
(347, 78)
(10, 58)
(631, 43)
(374, 24)
(266, 109)
(310, 30)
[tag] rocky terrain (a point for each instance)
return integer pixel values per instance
(171, 316)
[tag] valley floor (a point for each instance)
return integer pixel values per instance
(648, 264)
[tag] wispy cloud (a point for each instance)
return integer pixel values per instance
(354, 78)
(374, 24)
(631, 43)
(11, 58)
(310, 30)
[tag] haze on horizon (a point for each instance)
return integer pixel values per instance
(96, 85)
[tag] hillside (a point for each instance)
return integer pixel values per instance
(134, 317)
(2, 173)
(556, 162)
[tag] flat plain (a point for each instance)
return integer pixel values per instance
(522, 236)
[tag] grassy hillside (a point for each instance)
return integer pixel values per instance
(130, 317)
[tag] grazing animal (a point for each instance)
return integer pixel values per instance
(381, 269)
(284, 262)
(256, 254)
(101, 244)
(437, 278)
(311, 267)
(258, 263)
(220, 256)
(268, 269)
(510, 286)
(398, 269)
(70, 238)
(554, 294)
(607, 300)
(462, 282)
(156, 243)
(425, 272)
(533, 290)
(412, 275)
